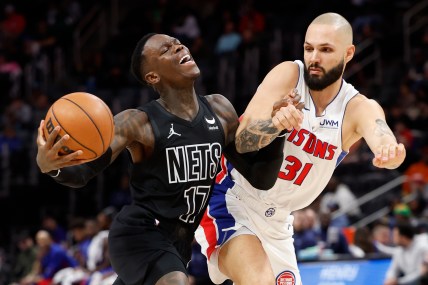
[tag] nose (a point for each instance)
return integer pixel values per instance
(178, 47)
(314, 58)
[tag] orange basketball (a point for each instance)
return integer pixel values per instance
(86, 119)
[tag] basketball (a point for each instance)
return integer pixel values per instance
(86, 119)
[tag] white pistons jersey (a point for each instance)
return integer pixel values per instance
(310, 154)
(236, 207)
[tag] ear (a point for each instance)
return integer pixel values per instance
(350, 51)
(152, 78)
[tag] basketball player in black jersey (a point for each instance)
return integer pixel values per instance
(175, 144)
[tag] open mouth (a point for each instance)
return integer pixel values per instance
(185, 59)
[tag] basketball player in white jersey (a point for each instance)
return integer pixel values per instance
(247, 233)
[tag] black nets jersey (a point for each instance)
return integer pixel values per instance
(173, 186)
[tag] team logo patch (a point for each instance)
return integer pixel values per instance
(270, 212)
(286, 278)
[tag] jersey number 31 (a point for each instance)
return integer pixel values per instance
(295, 170)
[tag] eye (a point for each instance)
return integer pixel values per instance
(308, 48)
(164, 49)
(326, 49)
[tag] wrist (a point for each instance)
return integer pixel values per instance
(54, 173)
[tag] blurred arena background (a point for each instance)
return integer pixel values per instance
(50, 48)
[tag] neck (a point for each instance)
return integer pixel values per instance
(324, 97)
(183, 104)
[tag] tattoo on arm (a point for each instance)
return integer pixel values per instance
(257, 135)
(382, 129)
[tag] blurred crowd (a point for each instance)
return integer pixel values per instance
(48, 49)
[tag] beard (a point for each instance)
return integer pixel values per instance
(319, 83)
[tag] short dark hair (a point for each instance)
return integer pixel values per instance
(406, 230)
(137, 58)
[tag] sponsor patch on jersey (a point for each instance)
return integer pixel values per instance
(286, 278)
(329, 124)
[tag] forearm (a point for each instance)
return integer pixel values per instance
(256, 135)
(260, 168)
(79, 175)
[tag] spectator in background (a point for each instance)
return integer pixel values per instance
(417, 175)
(81, 239)
(98, 262)
(14, 23)
(187, 28)
(407, 261)
(332, 237)
(382, 238)
(10, 76)
(363, 244)
(56, 231)
(226, 49)
(51, 259)
(338, 196)
(304, 236)
(25, 258)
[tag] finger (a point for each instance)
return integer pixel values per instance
(297, 115)
(277, 105)
(292, 117)
(293, 92)
(400, 150)
(60, 143)
(40, 137)
(280, 121)
(378, 152)
(277, 124)
(296, 99)
(385, 153)
(300, 106)
(377, 162)
(392, 151)
(72, 156)
(50, 140)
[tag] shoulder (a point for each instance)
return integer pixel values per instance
(288, 68)
(128, 118)
(360, 104)
(281, 77)
(225, 111)
(218, 101)
(360, 101)
(133, 124)
(287, 65)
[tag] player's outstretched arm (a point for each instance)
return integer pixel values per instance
(257, 130)
(71, 171)
(370, 122)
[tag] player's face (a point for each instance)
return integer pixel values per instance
(170, 59)
(323, 57)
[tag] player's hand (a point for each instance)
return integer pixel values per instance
(286, 113)
(389, 156)
(48, 157)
